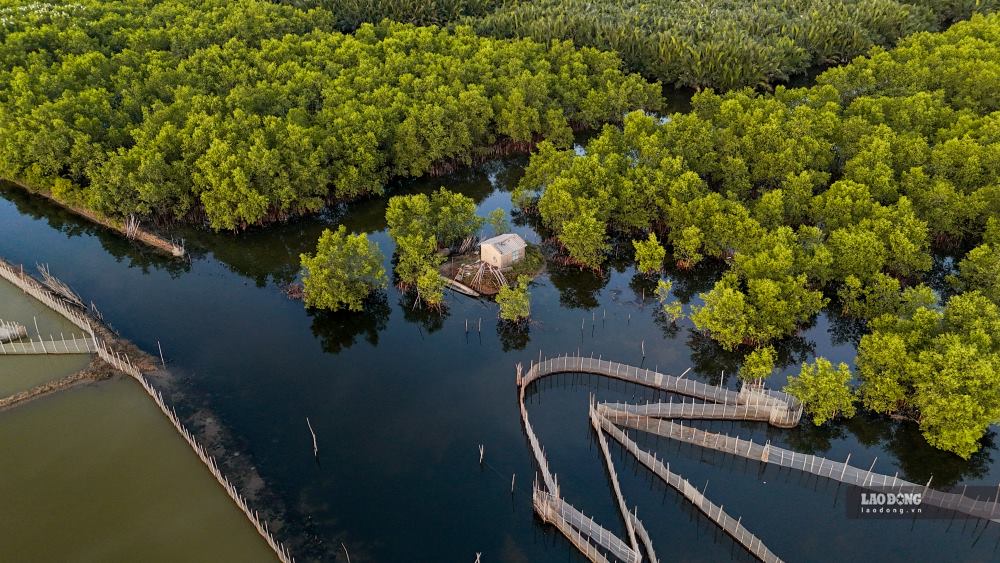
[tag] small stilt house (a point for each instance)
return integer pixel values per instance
(502, 251)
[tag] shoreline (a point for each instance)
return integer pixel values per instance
(501, 149)
(115, 354)
(142, 235)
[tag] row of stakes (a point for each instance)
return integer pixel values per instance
(124, 364)
(583, 323)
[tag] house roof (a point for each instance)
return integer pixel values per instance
(505, 243)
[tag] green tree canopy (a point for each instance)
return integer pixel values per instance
(343, 272)
(722, 44)
(940, 367)
(515, 301)
(671, 308)
(250, 112)
(758, 365)
(649, 254)
(446, 216)
(585, 240)
(430, 287)
(824, 390)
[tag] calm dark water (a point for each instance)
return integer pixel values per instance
(400, 401)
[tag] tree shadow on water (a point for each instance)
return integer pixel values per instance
(578, 289)
(513, 337)
(338, 331)
(918, 460)
(811, 439)
(710, 359)
(72, 225)
(429, 320)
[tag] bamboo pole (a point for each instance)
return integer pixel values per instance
(313, 432)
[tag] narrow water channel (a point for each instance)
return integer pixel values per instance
(401, 400)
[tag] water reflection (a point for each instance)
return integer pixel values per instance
(844, 329)
(578, 289)
(710, 359)
(338, 331)
(513, 338)
(73, 226)
(918, 460)
(427, 319)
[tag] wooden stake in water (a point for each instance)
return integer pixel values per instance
(643, 348)
(482, 451)
(313, 432)
(162, 361)
(512, 478)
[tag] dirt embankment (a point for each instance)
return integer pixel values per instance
(97, 370)
(142, 235)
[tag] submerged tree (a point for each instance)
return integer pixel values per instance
(446, 216)
(758, 365)
(824, 390)
(515, 302)
(671, 308)
(420, 224)
(649, 254)
(430, 287)
(343, 272)
(940, 367)
(498, 222)
(585, 240)
(414, 254)
(454, 217)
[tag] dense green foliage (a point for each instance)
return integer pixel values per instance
(831, 194)
(244, 112)
(343, 272)
(824, 390)
(430, 287)
(939, 366)
(421, 225)
(980, 269)
(671, 308)
(649, 254)
(515, 302)
(445, 216)
(717, 43)
(758, 364)
(725, 43)
(350, 14)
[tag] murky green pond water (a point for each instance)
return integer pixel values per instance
(96, 473)
(20, 373)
